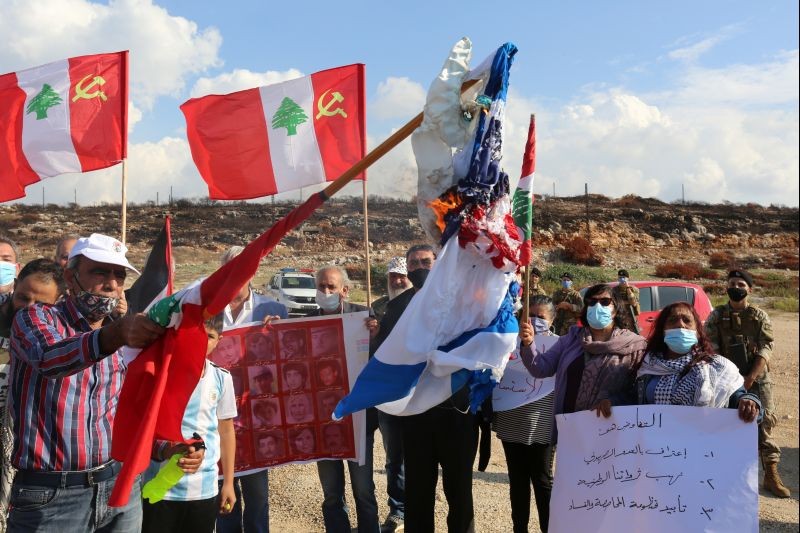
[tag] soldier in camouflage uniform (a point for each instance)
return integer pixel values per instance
(628, 297)
(742, 332)
(568, 304)
(536, 289)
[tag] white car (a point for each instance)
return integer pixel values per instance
(296, 289)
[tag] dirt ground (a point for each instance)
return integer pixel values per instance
(296, 496)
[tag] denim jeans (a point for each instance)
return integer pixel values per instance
(62, 509)
(392, 433)
(253, 491)
(334, 507)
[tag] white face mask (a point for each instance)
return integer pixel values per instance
(327, 302)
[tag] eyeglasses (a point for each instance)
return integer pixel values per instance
(426, 263)
(605, 302)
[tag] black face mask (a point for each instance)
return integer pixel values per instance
(736, 294)
(417, 277)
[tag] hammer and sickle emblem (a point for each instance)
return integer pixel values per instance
(325, 109)
(82, 92)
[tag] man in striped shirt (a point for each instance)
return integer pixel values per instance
(66, 376)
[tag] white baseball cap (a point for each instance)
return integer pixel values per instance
(103, 249)
(397, 265)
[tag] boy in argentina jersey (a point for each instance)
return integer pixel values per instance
(192, 504)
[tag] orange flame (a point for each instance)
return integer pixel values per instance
(447, 202)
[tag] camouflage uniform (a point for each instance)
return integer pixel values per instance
(537, 291)
(565, 319)
(727, 328)
(628, 296)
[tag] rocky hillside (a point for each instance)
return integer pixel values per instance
(632, 231)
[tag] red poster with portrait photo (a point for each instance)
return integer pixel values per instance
(287, 378)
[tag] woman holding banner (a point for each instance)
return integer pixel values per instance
(594, 364)
(680, 367)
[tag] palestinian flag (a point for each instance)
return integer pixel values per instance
(155, 282)
(523, 196)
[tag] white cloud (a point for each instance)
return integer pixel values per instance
(690, 53)
(397, 98)
(239, 80)
(164, 49)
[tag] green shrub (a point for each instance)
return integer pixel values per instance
(785, 304)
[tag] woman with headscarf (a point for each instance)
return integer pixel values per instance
(594, 363)
(680, 367)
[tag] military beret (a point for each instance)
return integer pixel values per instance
(623, 273)
(567, 275)
(536, 272)
(743, 275)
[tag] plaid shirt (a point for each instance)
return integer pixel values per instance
(63, 390)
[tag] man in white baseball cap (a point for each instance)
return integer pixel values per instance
(67, 372)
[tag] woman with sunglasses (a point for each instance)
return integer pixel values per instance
(594, 363)
(680, 367)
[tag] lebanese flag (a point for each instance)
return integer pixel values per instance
(66, 116)
(523, 196)
(280, 137)
(160, 381)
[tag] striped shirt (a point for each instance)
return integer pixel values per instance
(211, 401)
(526, 424)
(64, 391)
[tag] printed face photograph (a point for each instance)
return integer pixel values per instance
(303, 441)
(293, 343)
(329, 373)
(266, 413)
(269, 445)
(298, 409)
(262, 379)
(295, 376)
(327, 403)
(324, 341)
(242, 420)
(259, 347)
(333, 438)
(228, 352)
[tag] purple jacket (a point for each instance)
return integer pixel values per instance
(556, 361)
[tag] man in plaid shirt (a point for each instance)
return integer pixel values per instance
(66, 376)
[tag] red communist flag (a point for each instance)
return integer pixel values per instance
(280, 137)
(66, 116)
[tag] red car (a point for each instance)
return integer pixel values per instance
(656, 295)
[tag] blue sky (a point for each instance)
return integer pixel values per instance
(631, 97)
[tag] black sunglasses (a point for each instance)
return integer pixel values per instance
(605, 302)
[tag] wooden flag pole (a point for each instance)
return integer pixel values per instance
(380, 150)
(366, 243)
(124, 207)
(526, 290)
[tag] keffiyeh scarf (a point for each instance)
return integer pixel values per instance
(707, 384)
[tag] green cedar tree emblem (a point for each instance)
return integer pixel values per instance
(40, 103)
(289, 115)
(521, 211)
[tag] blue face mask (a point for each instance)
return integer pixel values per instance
(623, 280)
(598, 316)
(566, 283)
(680, 340)
(8, 271)
(540, 326)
